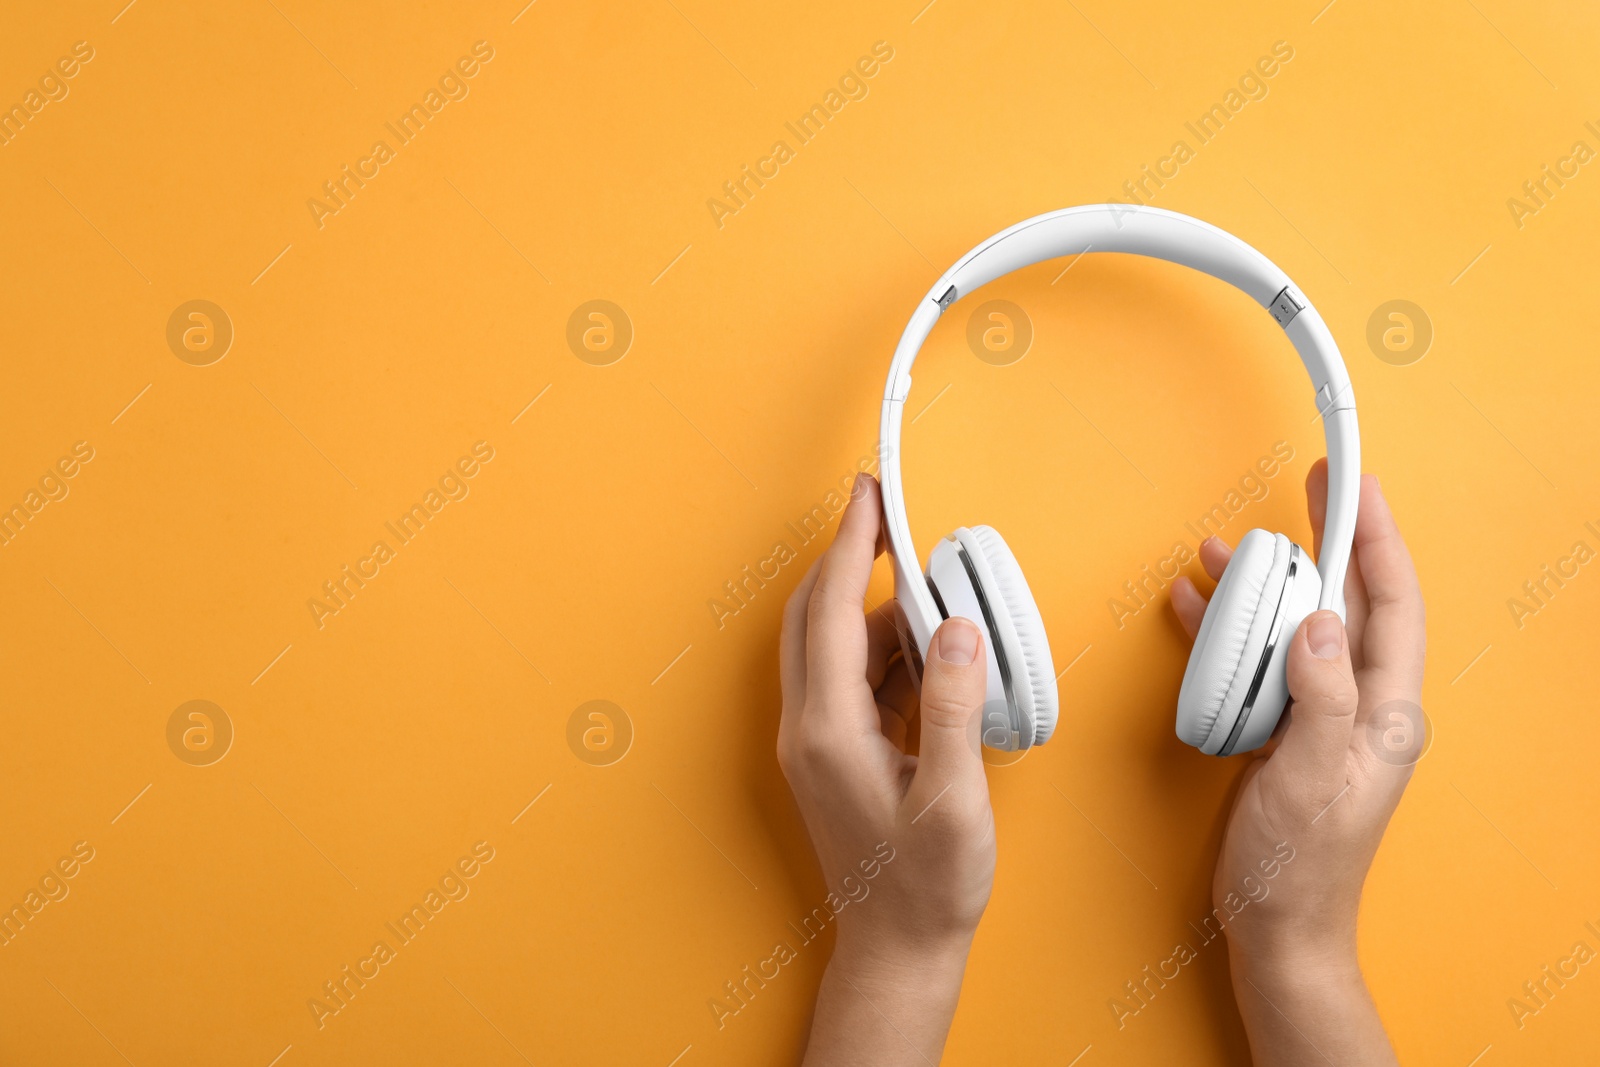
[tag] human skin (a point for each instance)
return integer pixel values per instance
(891, 987)
(1327, 786)
(1323, 787)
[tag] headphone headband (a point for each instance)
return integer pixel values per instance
(1159, 234)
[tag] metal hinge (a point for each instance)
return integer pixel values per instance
(1285, 307)
(947, 299)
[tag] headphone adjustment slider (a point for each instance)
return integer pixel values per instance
(947, 299)
(1285, 307)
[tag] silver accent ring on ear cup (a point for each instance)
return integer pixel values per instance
(1013, 712)
(1278, 618)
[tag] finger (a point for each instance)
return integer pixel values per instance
(1188, 605)
(836, 635)
(1283, 725)
(1214, 557)
(1244, 783)
(897, 703)
(954, 681)
(1317, 502)
(792, 642)
(1393, 642)
(1311, 758)
(883, 641)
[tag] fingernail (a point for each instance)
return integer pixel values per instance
(958, 642)
(1325, 635)
(855, 487)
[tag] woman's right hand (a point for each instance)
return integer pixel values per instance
(1309, 815)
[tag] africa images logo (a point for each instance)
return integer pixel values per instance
(852, 85)
(453, 485)
(453, 886)
(452, 85)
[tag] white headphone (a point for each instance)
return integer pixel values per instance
(1234, 688)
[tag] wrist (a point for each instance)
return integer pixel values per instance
(1300, 968)
(1312, 998)
(874, 981)
(1323, 942)
(895, 965)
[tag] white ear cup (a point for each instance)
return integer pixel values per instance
(1234, 688)
(974, 575)
(1036, 680)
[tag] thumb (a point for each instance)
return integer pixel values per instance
(954, 681)
(1316, 745)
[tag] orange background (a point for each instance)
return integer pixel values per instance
(372, 753)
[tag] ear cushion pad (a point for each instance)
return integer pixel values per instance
(1232, 637)
(1021, 628)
